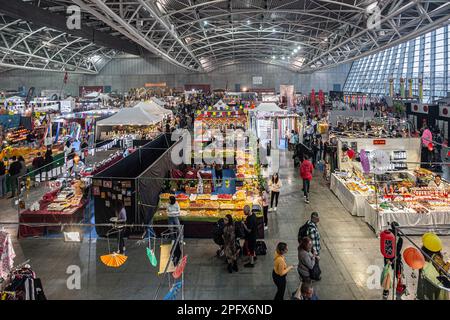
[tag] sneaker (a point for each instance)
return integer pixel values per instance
(270, 209)
(275, 209)
(266, 228)
(306, 201)
(249, 265)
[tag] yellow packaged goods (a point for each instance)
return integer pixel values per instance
(227, 206)
(165, 196)
(203, 197)
(184, 204)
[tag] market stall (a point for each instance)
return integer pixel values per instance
(63, 201)
(134, 122)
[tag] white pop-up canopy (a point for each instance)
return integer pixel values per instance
(158, 101)
(154, 109)
(268, 107)
(136, 116)
(220, 105)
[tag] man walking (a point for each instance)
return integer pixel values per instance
(313, 232)
(14, 172)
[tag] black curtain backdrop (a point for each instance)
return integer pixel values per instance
(119, 182)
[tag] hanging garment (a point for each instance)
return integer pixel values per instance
(7, 254)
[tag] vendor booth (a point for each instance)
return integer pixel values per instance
(267, 117)
(136, 122)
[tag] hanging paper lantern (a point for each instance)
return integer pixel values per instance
(414, 258)
(387, 244)
(432, 242)
(427, 137)
(350, 153)
(430, 146)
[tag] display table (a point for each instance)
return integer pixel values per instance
(74, 215)
(352, 201)
(432, 221)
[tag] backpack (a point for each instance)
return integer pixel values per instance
(261, 248)
(303, 231)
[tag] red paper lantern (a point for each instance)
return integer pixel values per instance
(350, 153)
(387, 244)
(414, 258)
(430, 146)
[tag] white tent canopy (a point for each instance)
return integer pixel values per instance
(268, 107)
(136, 116)
(153, 108)
(220, 105)
(158, 101)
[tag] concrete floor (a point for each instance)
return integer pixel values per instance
(349, 248)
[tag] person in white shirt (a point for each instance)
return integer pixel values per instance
(437, 183)
(275, 186)
(173, 214)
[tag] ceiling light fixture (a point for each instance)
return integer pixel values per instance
(205, 23)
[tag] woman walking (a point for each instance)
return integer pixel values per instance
(229, 237)
(280, 270)
(173, 213)
(275, 187)
(306, 171)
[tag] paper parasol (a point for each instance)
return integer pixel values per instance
(151, 257)
(180, 268)
(379, 161)
(427, 137)
(114, 260)
(364, 161)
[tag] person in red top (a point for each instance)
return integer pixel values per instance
(306, 170)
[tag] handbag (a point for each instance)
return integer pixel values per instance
(315, 272)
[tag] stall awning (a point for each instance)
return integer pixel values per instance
(158, 101)
(136, 116)
(153, 108)
(268, 107)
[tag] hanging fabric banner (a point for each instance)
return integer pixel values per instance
(391, 87)
(410, 90)
(402, 88)
(420, 89)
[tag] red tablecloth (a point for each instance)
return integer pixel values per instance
(45, 216)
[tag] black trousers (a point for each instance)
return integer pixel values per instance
(274, 195)
(219, 175)
(265, 211)
(280, 282)
(306, 184)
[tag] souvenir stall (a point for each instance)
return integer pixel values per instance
(120, 182)
(57, 201)
(129, 123)
(263, 120)
(201, 207)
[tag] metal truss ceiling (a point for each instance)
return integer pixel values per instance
(22, 45)
(303, 35)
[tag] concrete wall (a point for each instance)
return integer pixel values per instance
(125, 73)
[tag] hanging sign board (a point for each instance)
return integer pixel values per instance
(379, 142)
(156, 85)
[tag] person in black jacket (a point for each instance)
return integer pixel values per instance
(2, 179)
(14, 172)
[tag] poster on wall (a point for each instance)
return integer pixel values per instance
(257, 80)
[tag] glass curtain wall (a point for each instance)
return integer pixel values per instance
(425, 57)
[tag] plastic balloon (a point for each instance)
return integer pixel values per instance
(414, 258)
(432, 242)
(364, 161)
(350, 153)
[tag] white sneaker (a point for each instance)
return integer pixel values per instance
(270, 209)
(275, 209)
(306, 201)
(266, 228)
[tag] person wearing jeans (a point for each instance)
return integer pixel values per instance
(275, 187)
(173, 213)
(306, 170)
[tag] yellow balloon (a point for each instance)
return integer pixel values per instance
(432, 242)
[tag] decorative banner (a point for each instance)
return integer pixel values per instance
(410, 91)
(420, 89)
(444, 111)
(420, 108)
(402, 88)
(391, 87)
